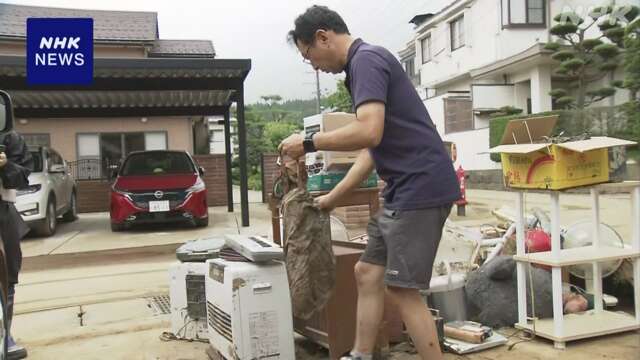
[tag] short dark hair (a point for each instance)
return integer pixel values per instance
(313, 19)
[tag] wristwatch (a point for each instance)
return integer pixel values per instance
(307, 143)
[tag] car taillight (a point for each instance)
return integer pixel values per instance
(198, 186)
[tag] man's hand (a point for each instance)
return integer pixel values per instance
(292, 146)
(3, 159)
(325, 202)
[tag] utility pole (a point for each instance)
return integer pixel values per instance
(318, 91)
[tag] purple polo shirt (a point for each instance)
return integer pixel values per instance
(411, 157)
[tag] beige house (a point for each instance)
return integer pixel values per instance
(117, 35)
(147, 93)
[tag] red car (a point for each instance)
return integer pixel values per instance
(158, 187)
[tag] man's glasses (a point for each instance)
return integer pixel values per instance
(305, 58)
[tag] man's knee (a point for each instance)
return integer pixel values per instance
(368, 274)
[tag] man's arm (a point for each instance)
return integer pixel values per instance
(365, 132)
(357, 173)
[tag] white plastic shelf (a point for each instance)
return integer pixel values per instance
(575, 256)
(582, 326)
(596, 322)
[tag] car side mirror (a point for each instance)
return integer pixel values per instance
(6, 113)
(114, 173)
(57, 168)
(201, 170)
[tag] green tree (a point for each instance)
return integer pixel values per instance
(275, 132)
(632, 59)
(632, 77)
(340, 100)
(584, 61)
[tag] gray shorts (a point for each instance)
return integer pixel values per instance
(405, 242)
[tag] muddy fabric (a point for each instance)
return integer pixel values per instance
(308, 253)
(495, 302)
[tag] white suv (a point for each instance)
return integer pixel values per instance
(51, 193)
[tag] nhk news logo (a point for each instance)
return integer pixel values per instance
(59, 51)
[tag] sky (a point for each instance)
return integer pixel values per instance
(257, 30)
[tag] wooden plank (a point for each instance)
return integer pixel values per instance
(582, 255)
(582, 326)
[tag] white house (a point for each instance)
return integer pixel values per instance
(475, 56)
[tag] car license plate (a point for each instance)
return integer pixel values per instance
(158, 206)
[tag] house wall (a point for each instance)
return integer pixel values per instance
(435, 107)
(469, 144)
(63, 131)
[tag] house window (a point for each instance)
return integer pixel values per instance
(37, 140)
(100, 153)
(458, 115)
(535, 11)
(409, 68)
(425, 45)
(523, 13)
(457, 33)
(155, 141)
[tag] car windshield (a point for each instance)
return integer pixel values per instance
(37, 161)
(157, 163)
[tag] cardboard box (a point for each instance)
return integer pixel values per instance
(529, 162)
(326, 181)
(329, 122)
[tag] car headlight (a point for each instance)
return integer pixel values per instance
(198, 186)
(122, 192)
(29, 190)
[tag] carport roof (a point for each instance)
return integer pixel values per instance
(131, 87)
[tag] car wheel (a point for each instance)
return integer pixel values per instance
(47, 226)
(117, 227)
(3, 322)
(202, 222)
(72, 213)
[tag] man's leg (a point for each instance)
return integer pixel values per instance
(418, 320)
(371, 290)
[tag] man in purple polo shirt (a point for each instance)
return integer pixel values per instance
(398, 138)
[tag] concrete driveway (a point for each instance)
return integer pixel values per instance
(92, 232)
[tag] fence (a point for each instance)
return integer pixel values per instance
(93, 169)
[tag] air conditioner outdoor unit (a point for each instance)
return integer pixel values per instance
(188, 303)
(249, 310)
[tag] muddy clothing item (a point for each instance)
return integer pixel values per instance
(411, 157)
(405, 243)
(492, 293)
(307, 247)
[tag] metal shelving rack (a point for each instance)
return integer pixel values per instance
(596, 322)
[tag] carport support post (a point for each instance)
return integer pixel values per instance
(227, 159)
(242, 148)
